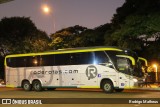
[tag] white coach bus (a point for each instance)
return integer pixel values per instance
(108, 68)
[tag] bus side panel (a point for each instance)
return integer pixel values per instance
(69, 76)
(110, 74)
(11, 77)
(83, 76)
(93, 74)
(124, 80)
(48, 76)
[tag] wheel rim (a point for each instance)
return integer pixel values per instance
(37, 86)
(107, 87)
(26, 86)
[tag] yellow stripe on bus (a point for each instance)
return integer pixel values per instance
(5, 63)
(64, 51)
(89, 87)
(10, 85)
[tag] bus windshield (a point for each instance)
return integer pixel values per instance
(135, 70)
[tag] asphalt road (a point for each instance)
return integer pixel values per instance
(76, 93)
(80, 93)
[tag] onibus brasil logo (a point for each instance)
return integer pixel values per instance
(91, 72)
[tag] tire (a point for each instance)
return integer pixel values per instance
(27, 86)
(51, 89)
(37, 86)
(107, 86)
(119, 90)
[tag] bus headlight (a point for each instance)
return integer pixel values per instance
(135, 80)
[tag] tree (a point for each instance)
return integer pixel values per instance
(130, 7)
(4, 1)
(95, 37)
(20, 35)
(136, 26)
(78, 36)
(67, 38)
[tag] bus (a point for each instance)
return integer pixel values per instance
(108, 68)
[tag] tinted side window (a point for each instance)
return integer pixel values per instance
(11, 62)
(20, 62)
(81, 58)
(87, 58)
(16, 62)
(112, 55)
(74, 58)
(32, 61)
(101, 57)
(47, 60)
(62, 59)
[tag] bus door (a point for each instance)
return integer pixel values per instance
(124, 66)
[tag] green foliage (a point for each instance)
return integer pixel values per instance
(78, 36)
(67, 38)
(136, 26)
(129, 34)
(4, 1)
(137, 7)
(20, 35)
(95, 37)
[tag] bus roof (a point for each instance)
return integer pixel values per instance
(69, 50)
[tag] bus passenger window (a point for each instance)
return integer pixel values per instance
(74, 58)
(47, 60)
(11, 62)
(81, 58)
(61, 59)
(86, 58)
(102, 59)
(32, 61)
(20, 62)
(16, 62)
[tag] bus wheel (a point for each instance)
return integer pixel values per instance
(107, 86)
(37, 86)
(26, 86)
(119, 90)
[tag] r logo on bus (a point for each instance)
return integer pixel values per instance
(91, 72)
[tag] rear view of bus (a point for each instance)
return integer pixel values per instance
(109, 68)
